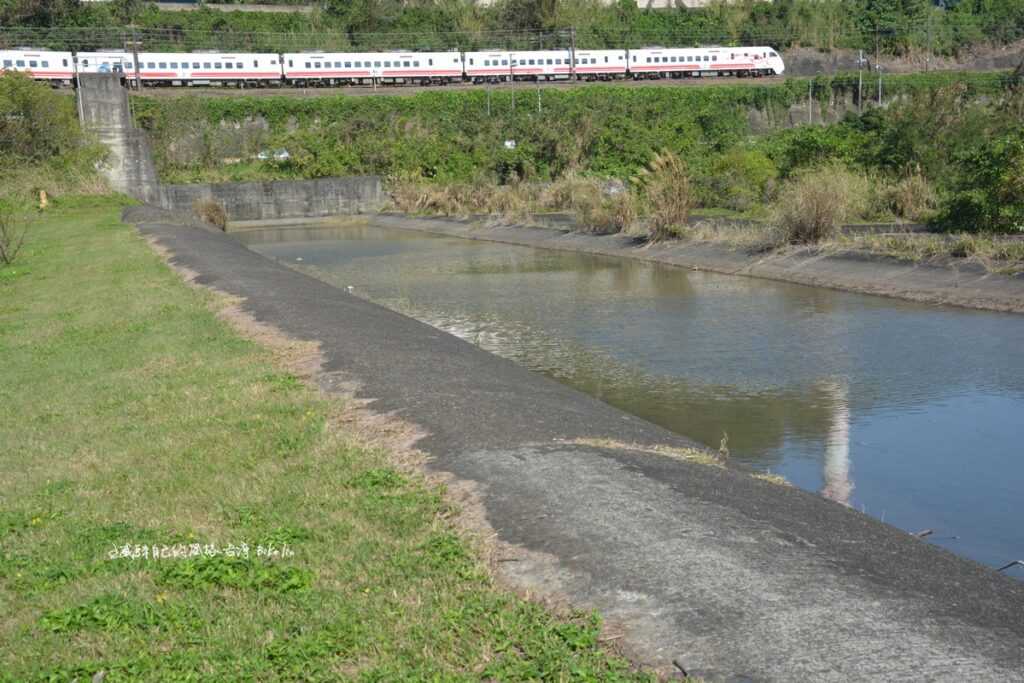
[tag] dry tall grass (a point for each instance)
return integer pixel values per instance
(212, 212)
(668, 195)
(912, 198)
(813, 206)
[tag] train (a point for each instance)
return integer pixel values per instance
(393, 68)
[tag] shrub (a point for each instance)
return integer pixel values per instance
(13, 230)
(609, 215)
(739, 180)
(814, 204)
(668, 195)
(211, 212)
(988, 195)
(912, 198)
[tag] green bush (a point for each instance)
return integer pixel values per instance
(739, 179)
(988, 195)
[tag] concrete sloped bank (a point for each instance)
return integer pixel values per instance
(967, 285)
(732, 576)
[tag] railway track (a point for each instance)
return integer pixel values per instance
(401, 89)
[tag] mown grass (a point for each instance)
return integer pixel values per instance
(132, 414)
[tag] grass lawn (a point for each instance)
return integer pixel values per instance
(133, 415)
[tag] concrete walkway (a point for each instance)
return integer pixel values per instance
(735, 578)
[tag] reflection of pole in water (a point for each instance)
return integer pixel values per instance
(838, 485)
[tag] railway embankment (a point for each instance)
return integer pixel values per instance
(704, 566)
(956, 282)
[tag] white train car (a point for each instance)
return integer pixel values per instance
(601, 64)
(541, 65)
(330, 68)
(732, 61)
(186, 68)
(44, 65)
(490, 67)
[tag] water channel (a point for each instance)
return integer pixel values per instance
(911, 413)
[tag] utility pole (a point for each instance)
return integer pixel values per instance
(135, 59)
(860, 82)
(572, 53)
(928, 59)
(810, 107)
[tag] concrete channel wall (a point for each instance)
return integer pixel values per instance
(280, 198)
(104, 110)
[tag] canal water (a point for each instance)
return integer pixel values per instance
(913, 414)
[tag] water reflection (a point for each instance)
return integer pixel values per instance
(922, 404)
(838, 485)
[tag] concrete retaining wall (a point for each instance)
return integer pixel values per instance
(281, 198)
(105, 111)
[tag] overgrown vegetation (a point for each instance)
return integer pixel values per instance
(42, 144)
(947, 150)
(891, 26)
(815, 204)
(134, 417)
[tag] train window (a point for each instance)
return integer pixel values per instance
(533, 62)
(206, 65)
(8, 63)
(174, 65)
(307, 65)
(387, 64)
(348, 65)
(218, 65)
(195, 65)
(163, 65)
(470, 61)
(430, 62)
(255, 63)
(337, 65)
(416, 63)
(65, 62)
(551, 61)
(605, 60)
(45, 63)
(714, 58)
(504, 62)
(706, 58)
(406, 64)
(772, 53)
(648, 60)
(85, 62)
(21, 62)
(376, 64)
(238, 65)
(229, 65)
(273, 61)
(32, 63)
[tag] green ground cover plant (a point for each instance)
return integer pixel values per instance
(133, 415)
